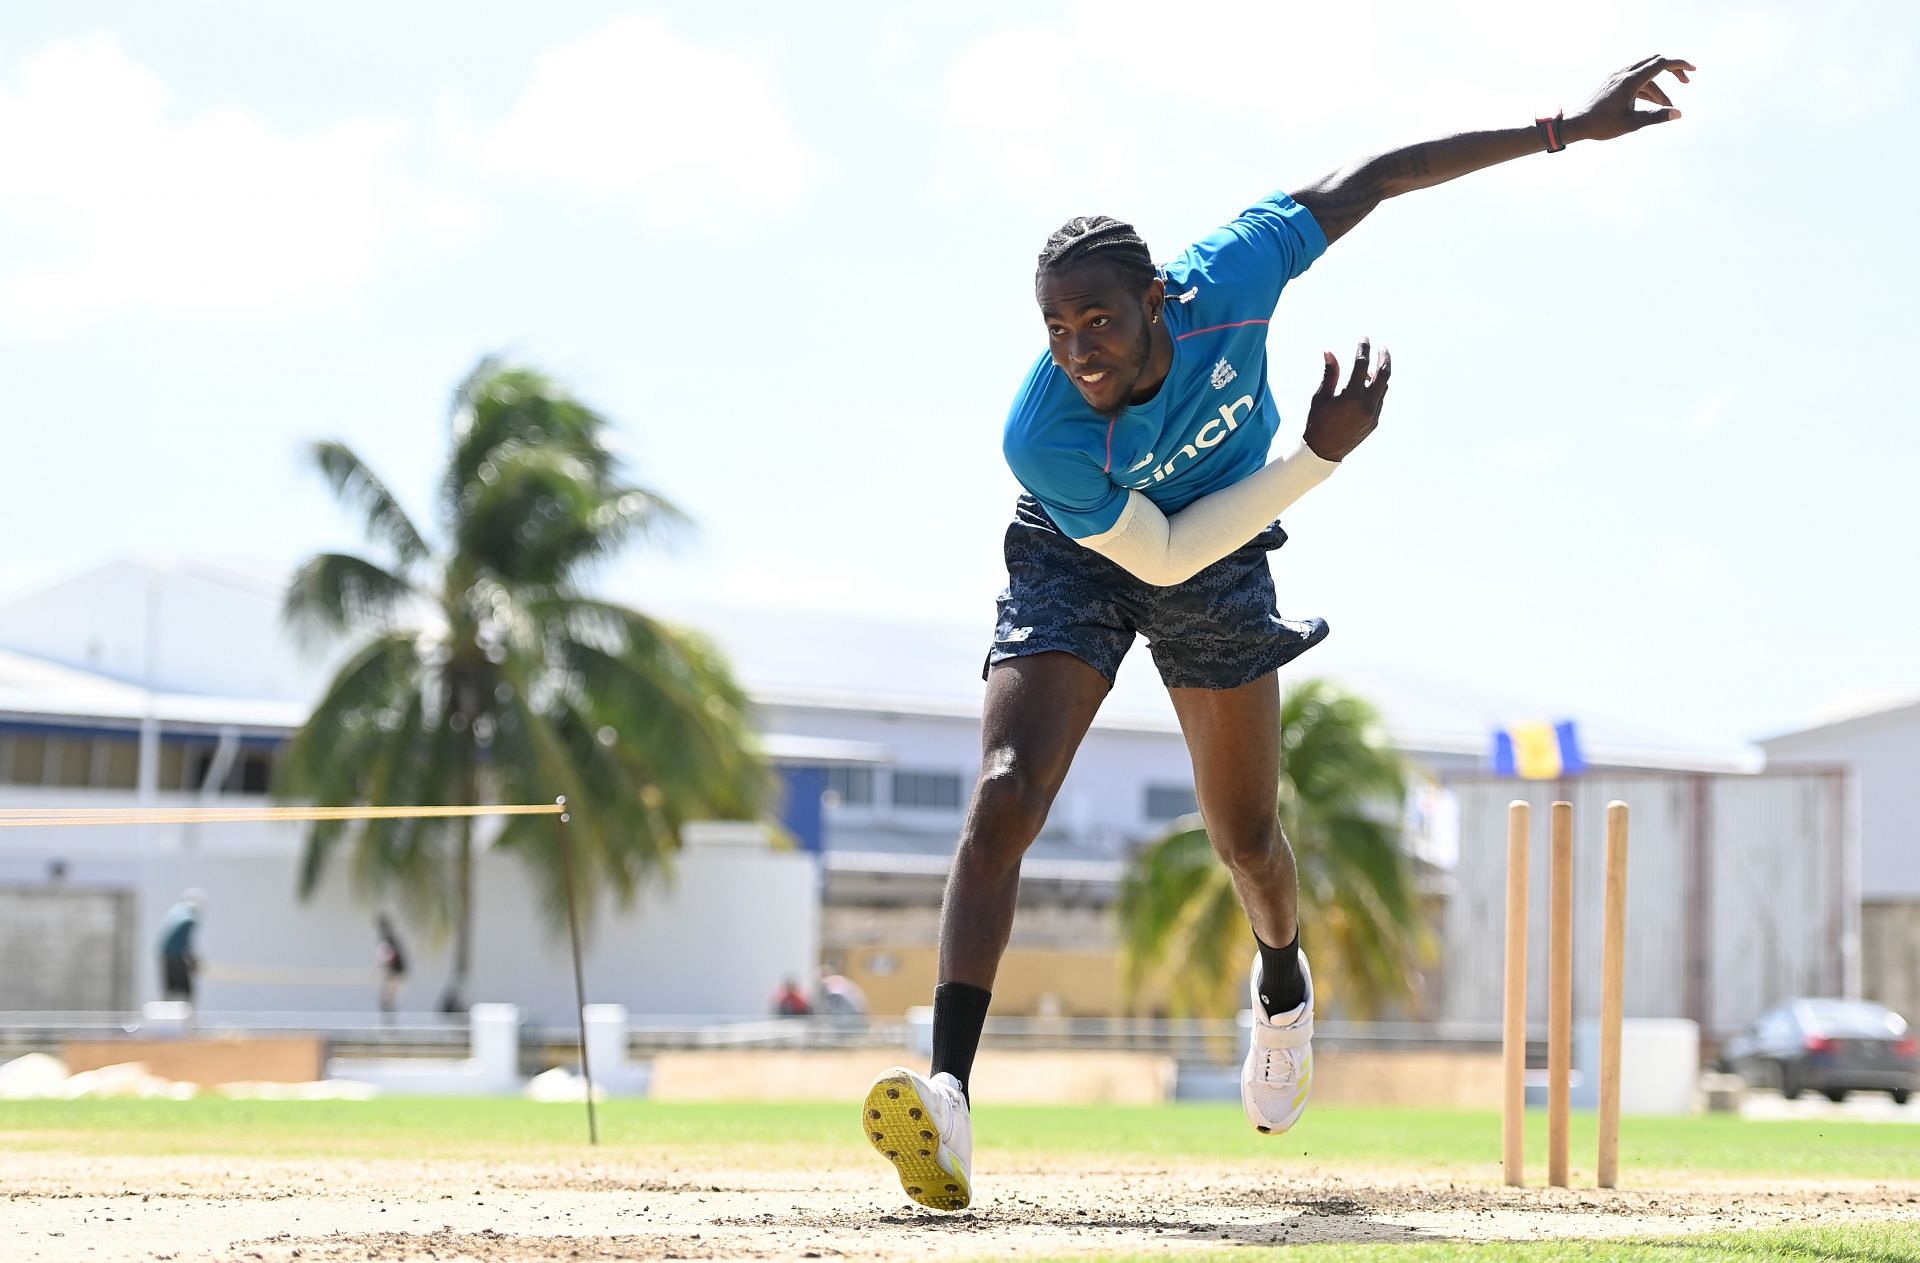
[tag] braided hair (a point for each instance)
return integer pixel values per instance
(1098, 238)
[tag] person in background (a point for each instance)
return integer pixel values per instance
(790, 1000)
(841, 997)
(393, 964)
(178, 964)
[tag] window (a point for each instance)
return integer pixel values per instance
(927, 791)
(28, 766)
(250, 773)
(70, 762)
(1170, 802)
(200, 761)
(173, 763)
(853, 786)
(119, 763)
(254, 771)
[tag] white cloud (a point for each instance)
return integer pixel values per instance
(682, 132)
(134, 207)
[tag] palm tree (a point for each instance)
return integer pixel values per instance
(484, 671)
(1341, 792)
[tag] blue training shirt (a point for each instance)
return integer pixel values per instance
(1214, 418)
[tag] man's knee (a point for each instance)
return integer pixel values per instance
(1010, 805)
(1250, 845)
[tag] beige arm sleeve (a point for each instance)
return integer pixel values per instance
(1166, 550)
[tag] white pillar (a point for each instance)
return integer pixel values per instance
(165, 1017)
(920, 1030)
(607, 1043)
(495, 1046)
(147, 783)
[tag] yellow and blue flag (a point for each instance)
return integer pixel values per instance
(1538, 752)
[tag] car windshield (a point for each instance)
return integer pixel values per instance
(1852, 1018)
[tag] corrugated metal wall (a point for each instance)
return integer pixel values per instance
(1737, 894)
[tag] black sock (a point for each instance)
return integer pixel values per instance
(959, 1012)
(1282, 986)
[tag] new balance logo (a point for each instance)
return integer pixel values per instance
(1223, 373)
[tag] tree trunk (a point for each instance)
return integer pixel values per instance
(455, 999)
(460, 696)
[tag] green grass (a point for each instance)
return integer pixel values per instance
(1329, 1137)
(1870, 1243)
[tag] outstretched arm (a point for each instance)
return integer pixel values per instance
(1163, 549)
(1342, 199)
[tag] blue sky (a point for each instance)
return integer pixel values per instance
(1645, 452)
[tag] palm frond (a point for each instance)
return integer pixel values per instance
(356, 485)
(328, 760)
(1342, 783)
(527, 689)
(538, 513)
(501, 409)
(335, 593)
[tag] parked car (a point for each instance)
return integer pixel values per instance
(1828, 1046)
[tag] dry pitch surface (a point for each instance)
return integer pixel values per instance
(630, 1205)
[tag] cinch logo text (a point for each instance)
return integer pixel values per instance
(1210, 435)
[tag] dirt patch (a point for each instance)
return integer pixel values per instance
(61, 1207)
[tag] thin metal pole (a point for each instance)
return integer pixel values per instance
(579, 977)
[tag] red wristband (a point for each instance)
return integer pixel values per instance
(1551, 131)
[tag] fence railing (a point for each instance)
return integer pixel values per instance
(1186, 1040)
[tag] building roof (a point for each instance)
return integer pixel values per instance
(904, 665)
(1849, 714)
(35, 690)
(74, 648)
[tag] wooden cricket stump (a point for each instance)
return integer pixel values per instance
(1560, 994)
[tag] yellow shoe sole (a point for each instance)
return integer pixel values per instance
(900, 1130)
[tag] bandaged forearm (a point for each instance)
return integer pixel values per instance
(1164, 550)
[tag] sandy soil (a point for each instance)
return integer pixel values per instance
(61, 1207)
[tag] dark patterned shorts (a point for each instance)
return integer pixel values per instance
(1218, 630)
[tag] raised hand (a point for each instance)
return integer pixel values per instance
(1338, 423)
(1613, 110)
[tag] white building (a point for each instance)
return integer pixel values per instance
(884, 716)
(1882, 748)
(81, 908)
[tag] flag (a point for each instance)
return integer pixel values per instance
(1537, 751)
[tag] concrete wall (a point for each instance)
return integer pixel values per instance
(712, 941)
(1883, 750)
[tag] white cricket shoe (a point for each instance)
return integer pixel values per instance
(922, 1126)
(1278, 1073)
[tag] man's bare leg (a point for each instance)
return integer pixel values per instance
(1038, 709)
(1234, 737)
